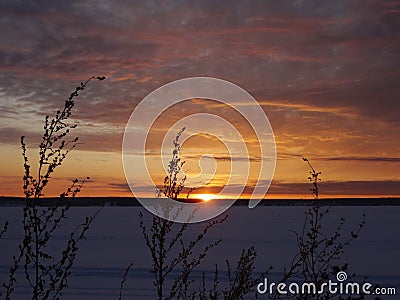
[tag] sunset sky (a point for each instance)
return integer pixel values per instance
(326, 73)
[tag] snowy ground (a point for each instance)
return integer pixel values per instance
(115, 240)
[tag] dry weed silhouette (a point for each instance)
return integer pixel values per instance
(47, 272)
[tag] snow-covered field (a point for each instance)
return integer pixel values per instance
(115, 240)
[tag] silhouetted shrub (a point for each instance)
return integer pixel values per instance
(172, 253)
(47, 272)
(319, 254)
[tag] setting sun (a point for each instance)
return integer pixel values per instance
(204, 197)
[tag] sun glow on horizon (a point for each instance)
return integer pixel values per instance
(205, 197)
